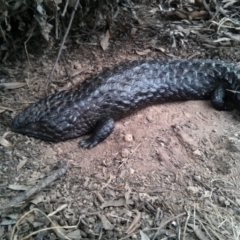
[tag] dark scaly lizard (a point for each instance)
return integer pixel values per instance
(111, 95)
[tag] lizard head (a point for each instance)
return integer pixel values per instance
(32, 122)
(49, 119)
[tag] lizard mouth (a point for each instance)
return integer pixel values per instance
(33, 130)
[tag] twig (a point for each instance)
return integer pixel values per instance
(66, 71)
(186, 223)
(38, 187)
(134, 150)
(65, 8)
(56, 22)
(25, 45)
(134, 223)
(62, 44)
(3, 35)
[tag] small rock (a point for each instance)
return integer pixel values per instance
(221, 199)
(197, 153)
(174, 224)
(149, 118)
(206, 194)
(162, 144)
(59, 150)
(231, 140)
(128, 137)
(125, 153)
(193, 190)
(131, 171)
(227, 203)
(77, 65)
(197, 178)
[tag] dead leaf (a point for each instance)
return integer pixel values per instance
(134, 222)
(12, 85)
(59, 209)
(114, 203)
(21, 163)
(4, 142)
(52, 4)
(193, 55)
(59, 231)
(143, 236)
(3, 109)
(144, 52)
(180, 14)
(106, 224)
(105, 40)
(193, 190)
(161, 49)
(229, 3)
(2, 231)
(18, 187)
(6, 222)
(38, 199)
(198, 14)
(222, 40)
(133, 31)
(127, 193)
(100, 197)
(200, 234)
(74, 234)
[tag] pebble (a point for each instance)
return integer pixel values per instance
(125, 153)
(131, 171)
(149, 118)
(227, 203)
(162, 144)
(128, 137)
(192, 189)
(197, 178)
(197, 152)
(77, 65)
(221, 199)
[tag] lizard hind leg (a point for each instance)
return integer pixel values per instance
(102, 130)
(220, 99)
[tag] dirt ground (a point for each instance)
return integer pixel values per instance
(169, 171)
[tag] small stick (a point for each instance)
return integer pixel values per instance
(56, 22)
(65, 8)
(38, 187)
(233, 91)
(61, 47)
